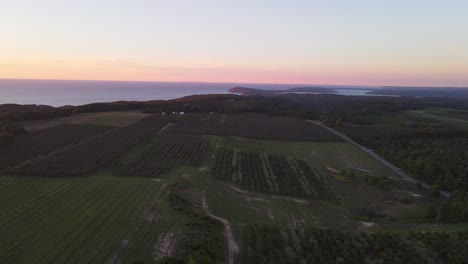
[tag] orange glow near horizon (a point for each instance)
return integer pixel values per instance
(106, 69)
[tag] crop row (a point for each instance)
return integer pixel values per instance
(93, 153)
(169, 151)
(270, 174)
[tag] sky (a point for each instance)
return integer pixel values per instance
(354, 42)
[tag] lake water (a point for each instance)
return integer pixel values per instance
(59, 93)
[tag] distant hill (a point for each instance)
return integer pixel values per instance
(451, 92)
(253, 91)
(446, 92)
(24, 108)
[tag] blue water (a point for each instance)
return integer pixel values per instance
(59, 93)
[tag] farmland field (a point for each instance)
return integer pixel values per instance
(271, 174)
(254, 126)
(98, 119)
(94, 153)
(173, 185)
(352, 177)
(77, 220)
(169, 151)
(37, 143)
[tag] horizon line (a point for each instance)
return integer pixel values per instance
(208, 82)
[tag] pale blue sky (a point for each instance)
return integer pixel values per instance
(341, 41)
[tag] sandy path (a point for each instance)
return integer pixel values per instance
(272, 196)
(165, 127)
(233, 248)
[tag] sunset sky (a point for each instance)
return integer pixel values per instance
(360, 42)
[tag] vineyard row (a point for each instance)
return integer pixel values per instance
(171, 150)
(271, 174)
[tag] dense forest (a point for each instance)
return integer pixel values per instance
(437, 156)
(269, 244)
(454, 209)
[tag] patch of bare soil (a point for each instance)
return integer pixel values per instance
(254, 199)
(297, 200)
(203, 169)
(163, 187)
(333, 170)
(164, 246)
(252, 196)
(361, 169)
(238, 189)
(367, 225)
(415, 194)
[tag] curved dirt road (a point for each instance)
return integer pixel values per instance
(233, 248)
(371, 153)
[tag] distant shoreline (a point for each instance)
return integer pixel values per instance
(69, 92)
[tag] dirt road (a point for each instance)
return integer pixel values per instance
(371, 153)
(233, 248)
